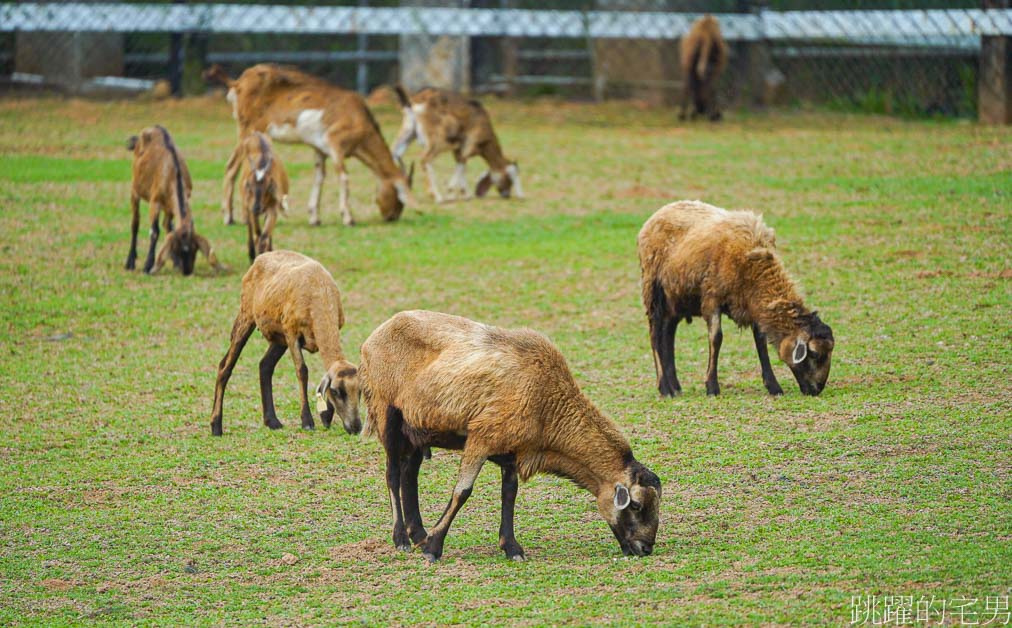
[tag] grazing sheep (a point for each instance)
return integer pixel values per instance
(161, 178)
(703, 56)
(435, 380)
(444, 120)
(296, 305)
(700, 260)
(265, 192)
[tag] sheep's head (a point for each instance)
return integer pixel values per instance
(632, 510)
(394, 194)
(339, 392)
(808, 353)
(506, 182)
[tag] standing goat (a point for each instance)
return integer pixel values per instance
(435, 380)
(264, 190)
(161, 178)
(296, 305)
(443, 120)
(703, 56)
(701, 260)
(294, 107)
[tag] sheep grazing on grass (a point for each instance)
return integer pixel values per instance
(700, 260)
(161, 178)
(444, 120)
(264, 192)
(296, 305)
(435, 380)
(703, 56)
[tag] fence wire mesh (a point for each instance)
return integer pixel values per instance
(893, 56)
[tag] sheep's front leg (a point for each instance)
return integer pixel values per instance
(303, 372)
(314, 194)
(716, 337)
(135, 223)
(231, 172)
(510, 483)
(769, 379)
(242, 328)
(267, 364)
(149, 263)
(470, 464)
(410, 465)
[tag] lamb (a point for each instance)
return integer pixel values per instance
(700, 260)
(294, 107)
(703, 56)
(436, 380)
(161, 178)
(296, 305)
(444, 120)
(265, 192)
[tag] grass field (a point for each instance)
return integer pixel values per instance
(117, 505)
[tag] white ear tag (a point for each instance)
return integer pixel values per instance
(321, 403)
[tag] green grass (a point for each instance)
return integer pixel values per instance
(117, 506)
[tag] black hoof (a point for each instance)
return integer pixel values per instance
(430, 558)
(308, 426)
(274, 425)
(712, 390)
(216, 430)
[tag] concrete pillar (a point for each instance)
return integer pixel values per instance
(69, 59)
(994, 78)
(643, 69)
(435, 60)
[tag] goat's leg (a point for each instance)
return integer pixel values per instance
(320, 169)
(716, 337)
(231, 172)
(458, 182)
(265, 242)
(303, 372)
(267, 364)
(135, 223)
(510, 483)
(242, 328)
(470, 464)
(149, 263)
(344, 191)
(205, 247)
(164, 252)
(430, 172)
(404, 138)
(769, 379)
(251, 249)
(410, 465)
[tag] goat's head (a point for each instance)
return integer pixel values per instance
(808, 352)
(182, 248)
(259, 187)
(394, 194)
(339, 392)
(506, 181)
(631, 509)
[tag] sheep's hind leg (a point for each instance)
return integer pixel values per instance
(241, 331)
(510, 483)
(267, 364)
(410, 465)
(303, 372)
(470, 464)
(769, 379)
(393, 444)
(716, 337)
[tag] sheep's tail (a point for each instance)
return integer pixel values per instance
(402, 96)
(703, 60)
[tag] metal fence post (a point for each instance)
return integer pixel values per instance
(754, 61)
(176, 60)
(994, 78)
(362, 72)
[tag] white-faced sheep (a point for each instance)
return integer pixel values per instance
(703, 56)
(700, 260)
(161, 178)
(296, 305)
(264, 192)
(436, 380)
(443, 120)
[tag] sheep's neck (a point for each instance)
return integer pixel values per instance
(327, 331)
(774, 299)
(591, 452)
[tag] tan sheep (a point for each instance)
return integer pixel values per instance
(436, 380)
(701, 260)
(264, 192)
(296, 305)
(703, 56)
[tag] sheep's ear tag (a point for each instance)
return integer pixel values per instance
(321, 402)
(800, 352)
(622, 498)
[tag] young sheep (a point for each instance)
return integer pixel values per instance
(703, 56)
(443, 120)
(700, 260)
(435, 380)
(265, 192)
(161, 178)
(296, 305)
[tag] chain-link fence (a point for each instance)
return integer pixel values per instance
(893, 56)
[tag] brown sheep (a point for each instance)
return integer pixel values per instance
(296, 305)
(161, 178)
(444, 120)
(703, 56)
(700, 260)
(436, 380)
(264, 190)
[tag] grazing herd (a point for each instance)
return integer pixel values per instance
(430, 379)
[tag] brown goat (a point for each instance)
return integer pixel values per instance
(700, 260)
(435, 380)
(264, 190)
(161, 178)
(444, 120)
(703, 56)
(294, 107)
(296, 305)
